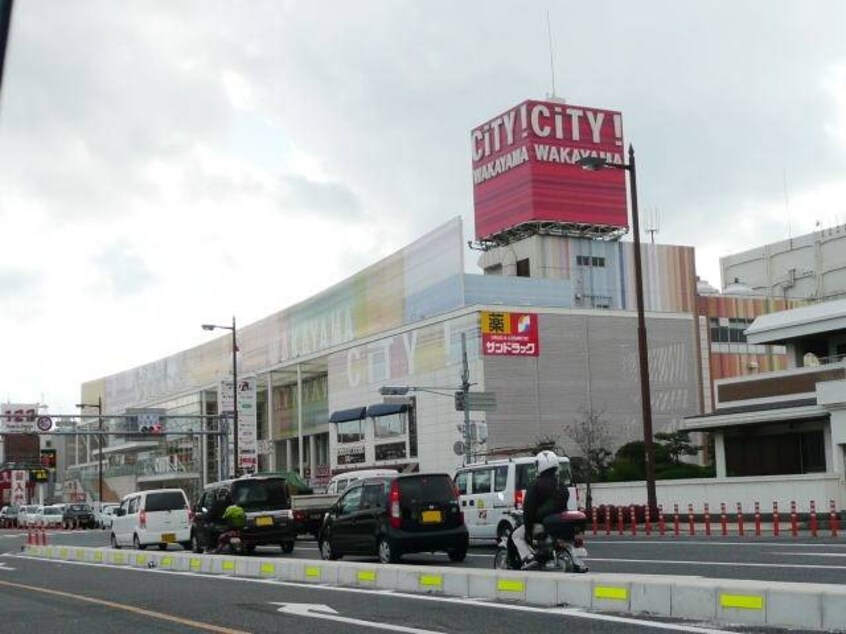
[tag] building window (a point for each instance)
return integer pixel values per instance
(389, 426)
(588, 260)
(350, 431)
(523, 268)
(728, 330)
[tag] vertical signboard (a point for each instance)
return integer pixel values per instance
(510, 334)
(19, 482)
(247, 425)
(226, 407)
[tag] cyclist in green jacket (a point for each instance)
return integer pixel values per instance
(235, 519)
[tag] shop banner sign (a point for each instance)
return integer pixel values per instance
(510, 334)
(247, 425)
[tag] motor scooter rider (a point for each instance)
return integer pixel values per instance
(543, 498)
(235, 519)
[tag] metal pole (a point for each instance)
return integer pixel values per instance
(100, 452)
(465, 388)
(300, 417)
(237, 467)
(642, 349)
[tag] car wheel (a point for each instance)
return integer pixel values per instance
(287, 547)
(503, 531)
(327, 552)
(457, 555)
(387, 553)
(136, 543)
(195, 544)
(162, 546)
(113, 541)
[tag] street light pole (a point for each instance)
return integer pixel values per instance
(596, 163)
(99, 406)
(233, 328)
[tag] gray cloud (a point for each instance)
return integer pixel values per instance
(330, 199)
(123, 272)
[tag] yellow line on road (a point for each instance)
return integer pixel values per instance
(127, 608)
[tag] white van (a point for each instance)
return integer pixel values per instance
(342, 481)
(490, 488)
(158, 517)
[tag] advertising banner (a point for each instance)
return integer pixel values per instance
(19, 418)
(510, 334)
(525, 167)
(247, 425)
(19, 482)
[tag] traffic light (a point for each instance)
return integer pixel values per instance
(155, 428)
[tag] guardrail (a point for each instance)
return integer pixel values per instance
(810, 606)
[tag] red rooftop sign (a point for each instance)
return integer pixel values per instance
(525, 167)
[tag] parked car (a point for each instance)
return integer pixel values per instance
(104, 518)
(27, 516)
(265, 501)
(50, 516)
(147, 518)
(77, 514)
(339, 483)
(488, 490)
(9, 517)
(394, 515)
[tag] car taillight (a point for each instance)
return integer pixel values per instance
(394, 500)
(299, 516)
(518, 499)
(190, 516)
(142, 519)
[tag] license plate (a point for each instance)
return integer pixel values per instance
(431, 517)
(168, 538)
(264, 521)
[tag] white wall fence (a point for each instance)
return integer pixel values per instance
(801, 489)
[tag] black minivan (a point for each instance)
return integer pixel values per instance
(265, 501)
(394, 515)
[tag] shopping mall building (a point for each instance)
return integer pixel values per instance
(549, 325)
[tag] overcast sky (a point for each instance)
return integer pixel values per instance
(165, 164)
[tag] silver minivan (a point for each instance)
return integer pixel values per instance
(147, 518)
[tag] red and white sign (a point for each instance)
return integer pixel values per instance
(510, 334)
(525, 167)
(19, 481)
(19, 418)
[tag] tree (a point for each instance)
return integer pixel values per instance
(590, 433)
(677, 444)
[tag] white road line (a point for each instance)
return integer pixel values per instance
(572, 612)
(808, 554)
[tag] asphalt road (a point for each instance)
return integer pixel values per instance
(804, 560)
(50, 596)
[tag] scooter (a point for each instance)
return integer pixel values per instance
(559, 547)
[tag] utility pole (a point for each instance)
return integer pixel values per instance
(465, 389)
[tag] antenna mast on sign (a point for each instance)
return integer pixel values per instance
(551, 54)
(653, 222)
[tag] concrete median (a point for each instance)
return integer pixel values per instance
(804, 605)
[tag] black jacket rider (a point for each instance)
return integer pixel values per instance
(543, 498)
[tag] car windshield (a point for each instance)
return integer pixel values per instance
(165, 501)
(52, 511)
(260, 495)
(79, 507)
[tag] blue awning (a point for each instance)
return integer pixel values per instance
(385, 409)
(343, 415)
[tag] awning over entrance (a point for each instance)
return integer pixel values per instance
(343, 415)
(385, 409)
(784, 411)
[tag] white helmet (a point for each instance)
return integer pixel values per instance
(547, 460)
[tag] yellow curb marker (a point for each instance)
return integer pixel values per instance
(118, 559)
(611, 592)
(742, 601)
(167, 562)
(510, 585)
(431, 581)
(228, 565)
(195, 564)
(312, 572)
(98, 556)
(366, 575)
(80, 555)
(267, 569)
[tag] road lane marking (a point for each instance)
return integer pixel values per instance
(808, 554)
(3, 566)
(326, 613)
(467, 601)
(209, 627)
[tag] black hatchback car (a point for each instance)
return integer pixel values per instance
(395, 515)
(77, 514)
(266, 503)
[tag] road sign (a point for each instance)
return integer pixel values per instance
(44, 424)
(458, 448)
(475, 401)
